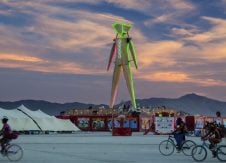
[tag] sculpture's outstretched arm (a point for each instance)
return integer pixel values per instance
(113, 49)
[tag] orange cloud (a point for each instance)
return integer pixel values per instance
(29, 63)
(165, 76)
(215, 51)
(179, 77)
(19, 58)
(158, 52)
(211, 82)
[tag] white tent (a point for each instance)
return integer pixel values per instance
(23, 119)
(18, 121)
(61, 124)
(47, 122)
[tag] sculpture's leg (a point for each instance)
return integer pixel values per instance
(130, 85)
(115, 84)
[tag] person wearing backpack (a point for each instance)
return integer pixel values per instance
(214, 137)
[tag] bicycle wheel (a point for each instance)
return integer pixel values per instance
(221, 153)
(14, 152)
(187, 147)
(199, 153)
(166, 148)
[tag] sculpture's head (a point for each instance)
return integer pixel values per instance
(121, 28)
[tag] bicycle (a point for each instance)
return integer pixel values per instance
(12, 151)
(199, 152)
(167, 147)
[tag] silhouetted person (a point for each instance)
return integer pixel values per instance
(179, 133)
(218, 114)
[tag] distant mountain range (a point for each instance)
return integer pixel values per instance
(47, 107)
(190, 103)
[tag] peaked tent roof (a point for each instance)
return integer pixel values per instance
(17, 120)
(47, 122)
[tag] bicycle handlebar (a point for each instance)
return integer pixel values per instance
(171, 135)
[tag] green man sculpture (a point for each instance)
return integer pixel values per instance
(125, 53)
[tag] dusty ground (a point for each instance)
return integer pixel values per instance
(98, 147)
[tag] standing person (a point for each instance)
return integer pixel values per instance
(5, 133)
(179, 133)
(218, 118)
(220, 124)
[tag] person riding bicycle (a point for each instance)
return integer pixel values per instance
(179, 133)
(213, 135)
(5, 133)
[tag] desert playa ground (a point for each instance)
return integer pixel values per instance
(97, 147)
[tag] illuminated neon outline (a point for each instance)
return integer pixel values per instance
(122, 46)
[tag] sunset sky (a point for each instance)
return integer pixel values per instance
(57, 50)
